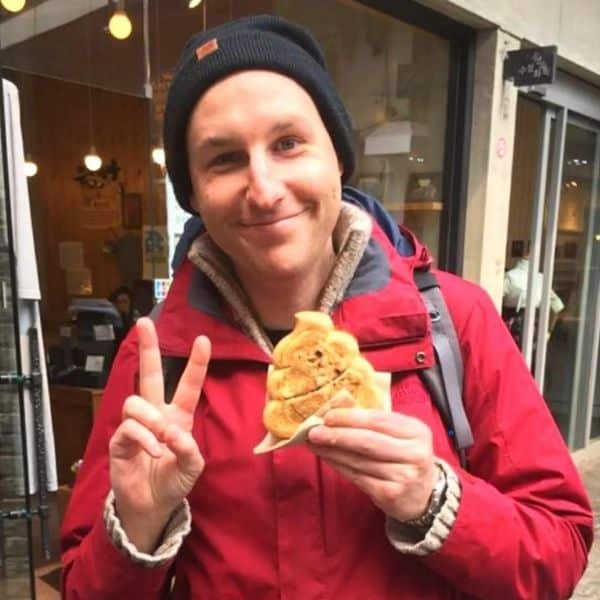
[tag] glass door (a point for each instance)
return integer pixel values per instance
(552, 289)
(16, 571)
(571, 357)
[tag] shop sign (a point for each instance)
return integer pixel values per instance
(531, 66)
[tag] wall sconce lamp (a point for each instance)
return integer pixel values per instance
(194, 3)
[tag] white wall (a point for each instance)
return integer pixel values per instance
(490, 165)
(572, 25)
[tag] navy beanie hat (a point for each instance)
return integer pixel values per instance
(260, 42)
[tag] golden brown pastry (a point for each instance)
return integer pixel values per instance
(310, 365)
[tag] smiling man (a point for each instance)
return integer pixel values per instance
(267, 181)
(170, 500)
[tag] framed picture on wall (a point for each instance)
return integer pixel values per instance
(132, 211)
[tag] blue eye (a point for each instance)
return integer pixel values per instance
(287, 143)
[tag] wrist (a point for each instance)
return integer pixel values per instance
(172, 536)
(434, 505)
(144, 529)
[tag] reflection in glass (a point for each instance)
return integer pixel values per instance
(393, 78)
(575, 280)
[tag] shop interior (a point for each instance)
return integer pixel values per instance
(575, 253)
(91, 113)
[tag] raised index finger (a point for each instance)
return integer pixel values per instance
(151, 375)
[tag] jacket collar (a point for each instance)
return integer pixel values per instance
(370, 292)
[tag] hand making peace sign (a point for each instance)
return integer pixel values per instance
(154, 459)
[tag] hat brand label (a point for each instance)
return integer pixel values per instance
(207, 48)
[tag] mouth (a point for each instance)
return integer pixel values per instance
(268, 221)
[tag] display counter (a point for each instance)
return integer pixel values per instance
(73, 410)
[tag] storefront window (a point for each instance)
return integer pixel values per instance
(575, 279)
(564, 356)
(393, 79)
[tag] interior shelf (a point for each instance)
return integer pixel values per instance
(405, 206)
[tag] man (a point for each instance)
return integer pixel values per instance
(376, 505)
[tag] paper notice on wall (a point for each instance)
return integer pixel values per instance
(94, 363)
(79, 282)
(176, 219)
(104, 333)
(70, 255)
(155, 247)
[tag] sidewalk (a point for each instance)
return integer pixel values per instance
(588, 462)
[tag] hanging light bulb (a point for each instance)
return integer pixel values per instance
(91, 160)
(31, 167)
(13, 5)
(120, 25)
(158, 156)
(194, 3)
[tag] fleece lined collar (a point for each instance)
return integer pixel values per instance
(350, 238)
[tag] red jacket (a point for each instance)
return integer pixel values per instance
(285, 525)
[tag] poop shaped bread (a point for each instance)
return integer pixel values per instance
(310, 365)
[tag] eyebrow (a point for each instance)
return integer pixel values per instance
(216, 142)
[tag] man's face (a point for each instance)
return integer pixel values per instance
(265, 175)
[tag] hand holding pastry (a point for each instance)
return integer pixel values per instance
(388, 455)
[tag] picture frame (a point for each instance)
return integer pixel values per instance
(131, 211)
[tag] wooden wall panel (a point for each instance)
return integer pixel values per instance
(57, 132)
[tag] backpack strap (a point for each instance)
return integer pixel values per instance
(445, 379)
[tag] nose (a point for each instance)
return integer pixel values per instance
(265, 188)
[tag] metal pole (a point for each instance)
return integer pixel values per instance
(40, 438)
(551, 228)
(536, 236)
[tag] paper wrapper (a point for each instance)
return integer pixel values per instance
(271, 442)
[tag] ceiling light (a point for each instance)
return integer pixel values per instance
(194, 3)
(91, 160)
(13, 5)
(120, 25)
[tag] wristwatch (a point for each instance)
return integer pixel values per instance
(438, 496)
